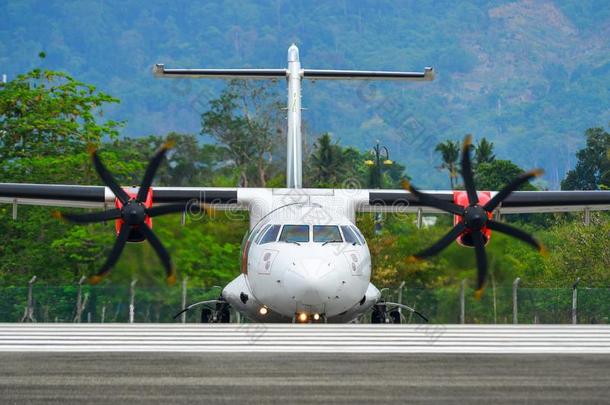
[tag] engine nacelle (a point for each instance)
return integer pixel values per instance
(134, 234)
(461, 198)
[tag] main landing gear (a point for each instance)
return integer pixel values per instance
(381, 314)
(387, 312)
(221, 313)
(213, 311)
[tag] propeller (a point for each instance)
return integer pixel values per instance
(475, 217)
(133, 213)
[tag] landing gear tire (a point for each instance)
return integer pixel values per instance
(378, 315)
(395, 316)
(206, 315)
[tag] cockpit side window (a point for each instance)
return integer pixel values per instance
(270, 235)
(350, 236)
(358, 234)
(295, 233)
(261, 233)
(326, 233)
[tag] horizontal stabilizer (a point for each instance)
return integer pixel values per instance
(314, 74)
(159, 70)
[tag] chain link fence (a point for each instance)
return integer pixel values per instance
(442, 305)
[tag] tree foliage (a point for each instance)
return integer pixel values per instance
(483, 152)
(592, 171)
(47, 113)
(245, 120)
(450, 153)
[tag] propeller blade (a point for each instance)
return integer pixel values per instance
(467, 174)
(479, 247)
(516, 233)
(165, 209)
(443, 242)
(161, 252)
(108, 179)
(427, 199)
(152, 169)
(114, 255)
(90, 217)
(512, 186)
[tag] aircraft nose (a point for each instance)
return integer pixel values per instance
(313, 281)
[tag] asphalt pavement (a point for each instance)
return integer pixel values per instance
(278, 378)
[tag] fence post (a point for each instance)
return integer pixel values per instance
(462, 302)
(103, 318)
(79, 300)
(400, 287)
(575, 301)
(587, 217)
(28, 314)
(132, 299)
(515, 304)
(184, 281)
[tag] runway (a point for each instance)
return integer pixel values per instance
(330, 364)
(280, 378)
(352, 338)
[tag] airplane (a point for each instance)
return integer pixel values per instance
(303, 258)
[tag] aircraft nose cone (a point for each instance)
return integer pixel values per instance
(312, 281)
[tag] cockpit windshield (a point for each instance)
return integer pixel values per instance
(326, 233)
(295, 233)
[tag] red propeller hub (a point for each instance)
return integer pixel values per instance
(475, 217)
(133, 213)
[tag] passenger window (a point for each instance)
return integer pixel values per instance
(326, 233)
(270, 235)
(295, 233)
(358, 234)
(350, 236)
(261, 233)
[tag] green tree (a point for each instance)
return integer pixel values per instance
(47, 113)
(484, 152)
(450, 152)
(497, 174)
(329, 163)
(592, 171)
(245, 119)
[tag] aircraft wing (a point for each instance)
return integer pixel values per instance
(518, 202)
(60, 195)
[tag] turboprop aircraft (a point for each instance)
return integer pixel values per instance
(303, 258)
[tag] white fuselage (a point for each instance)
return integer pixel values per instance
(303, 259)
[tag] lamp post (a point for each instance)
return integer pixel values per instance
(381, 160)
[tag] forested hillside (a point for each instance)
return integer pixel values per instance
(529, 76)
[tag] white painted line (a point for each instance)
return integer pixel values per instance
(305, 338)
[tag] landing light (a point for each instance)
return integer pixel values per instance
(263, 311)
(303, 317)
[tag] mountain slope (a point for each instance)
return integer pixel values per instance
(530, 75)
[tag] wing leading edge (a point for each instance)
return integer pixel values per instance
(516, 203)
(59, 195)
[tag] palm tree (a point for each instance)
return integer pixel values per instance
(484, 152)
(327, 162)
(450, 152)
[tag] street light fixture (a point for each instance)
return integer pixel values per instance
(381, 159)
